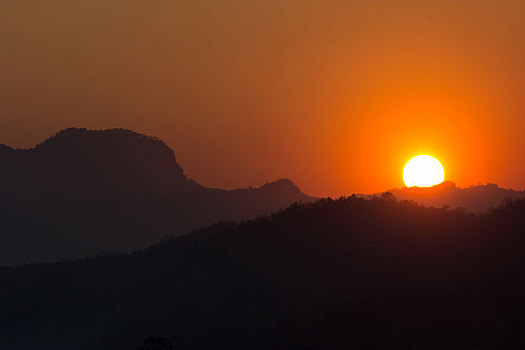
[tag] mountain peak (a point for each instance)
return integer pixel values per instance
(282, 183)
(76, 136)
(83, 191)
(111, 158)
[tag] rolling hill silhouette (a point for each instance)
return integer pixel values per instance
(84, 191)
(480, 198)
(344, 274)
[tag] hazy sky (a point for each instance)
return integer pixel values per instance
(335, 95)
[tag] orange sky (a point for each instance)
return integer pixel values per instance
(335, 95)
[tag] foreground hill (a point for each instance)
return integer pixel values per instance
(473, 199)
(83, 191)
(345, 274)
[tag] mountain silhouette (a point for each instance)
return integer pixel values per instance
(480, 198)
(85, 191)
(331, 274)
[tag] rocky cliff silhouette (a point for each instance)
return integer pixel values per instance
(480, 198)
(85, 191)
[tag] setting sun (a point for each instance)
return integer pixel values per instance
(423, 171)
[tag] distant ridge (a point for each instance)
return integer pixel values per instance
(473, 199)
(84, 191)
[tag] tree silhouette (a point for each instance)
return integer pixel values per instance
(156, 343)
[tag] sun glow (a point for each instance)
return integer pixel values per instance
(423, 171)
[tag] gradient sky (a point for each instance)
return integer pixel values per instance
(335, 95)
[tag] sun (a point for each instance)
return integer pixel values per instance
(423, 171)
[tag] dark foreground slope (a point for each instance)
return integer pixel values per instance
(345, 274)
(473, 199)
(84, 191)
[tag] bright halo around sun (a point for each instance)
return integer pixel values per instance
(423, 171)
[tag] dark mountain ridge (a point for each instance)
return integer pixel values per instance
(473, 199)
(85, 191)
(76, 158)
(344, 274)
